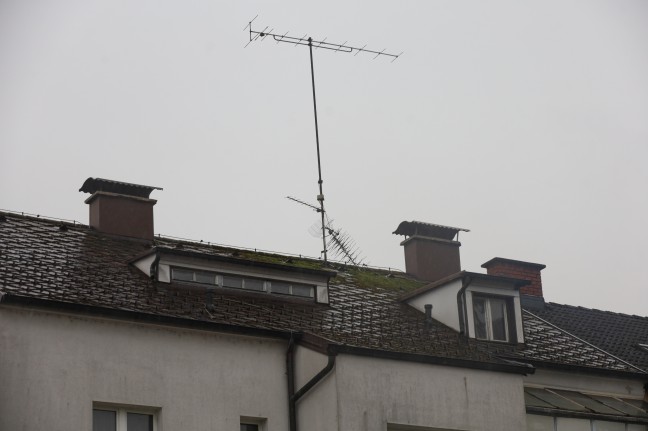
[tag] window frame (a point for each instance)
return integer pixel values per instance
(121, 413)
(219, 282)
(510, 329)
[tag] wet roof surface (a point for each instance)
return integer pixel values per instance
(51, 260)
(617, 333)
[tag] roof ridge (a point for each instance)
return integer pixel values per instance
(617, 313)
(75, 223)
(39, 217)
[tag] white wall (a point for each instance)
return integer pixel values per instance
(373, 392)
(444, 303)
(53, 366)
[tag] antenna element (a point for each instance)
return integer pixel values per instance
(340, 241)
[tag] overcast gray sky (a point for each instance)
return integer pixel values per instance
(526, 122)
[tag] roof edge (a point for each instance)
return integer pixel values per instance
(329, 273)
(141, 317)
(517, 283)
(434, 360)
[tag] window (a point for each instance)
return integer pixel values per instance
(122, 419)
(491, 318)
(249, 423)
(233, 281)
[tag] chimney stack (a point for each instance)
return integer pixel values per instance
(518, 269)
(120, 208)
(431, 250)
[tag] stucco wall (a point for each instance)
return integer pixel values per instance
(374, 392)
(52, 368)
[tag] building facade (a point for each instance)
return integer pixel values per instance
(106, 326)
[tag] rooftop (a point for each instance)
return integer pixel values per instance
(46, 261)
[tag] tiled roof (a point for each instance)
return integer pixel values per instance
(616, 333)
(55, 261)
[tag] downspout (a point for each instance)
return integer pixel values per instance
(290, 371)
(293, 396)
(461, 305)
(155, 265)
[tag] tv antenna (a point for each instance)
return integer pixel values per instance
(323, 44)
(339, 242)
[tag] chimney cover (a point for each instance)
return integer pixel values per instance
(411, 228)
(92, 185)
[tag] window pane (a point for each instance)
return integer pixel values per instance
(302, 290)
(540, 423)
(182, 274)
(570, 424)
(139, 422)
(279, 287)
(104, 420)
(608, 426)
(498, 316)
(479, 314)
(229, 281)
(205, 277)
(249, 427)
(253, 284)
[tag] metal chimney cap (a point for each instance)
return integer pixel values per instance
(411, 228)
(92, 185)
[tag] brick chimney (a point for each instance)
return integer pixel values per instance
(518, 269)
(120, 208)
(431, 250)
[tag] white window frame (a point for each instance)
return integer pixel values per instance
(252, 420)
(122, 413)
(489, 319)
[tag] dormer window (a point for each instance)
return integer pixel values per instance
(269, 275)
(479, 306)
(491, 318)
(234, 281)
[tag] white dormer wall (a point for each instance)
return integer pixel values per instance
(446, 310)
(444, 303)
(499, 290)
(168, 261)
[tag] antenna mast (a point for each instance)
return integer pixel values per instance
(255, 35)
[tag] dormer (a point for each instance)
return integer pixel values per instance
(479, 306)
(224, 272)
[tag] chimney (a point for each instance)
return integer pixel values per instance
(431, 250)
(518, 269)
(120, 208)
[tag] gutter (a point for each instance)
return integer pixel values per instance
(502, 366)
(140, 317)
(293, 396)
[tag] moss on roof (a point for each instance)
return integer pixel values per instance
(370, 278)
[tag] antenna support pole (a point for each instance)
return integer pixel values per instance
(335, 47)
(320, 197)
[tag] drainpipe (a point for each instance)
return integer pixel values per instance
(293, 396)
(153, 272)
(461, 305)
